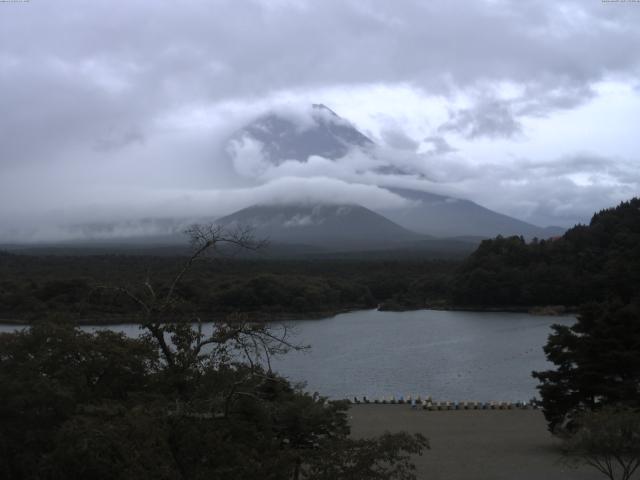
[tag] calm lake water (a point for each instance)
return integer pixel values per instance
(481, 356)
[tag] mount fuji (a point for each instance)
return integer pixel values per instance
(285, 137)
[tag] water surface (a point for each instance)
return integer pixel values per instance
(456, 356)
(481, 356)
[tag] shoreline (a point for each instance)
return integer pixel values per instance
(127, 319)
(124, 319)
(541, 310)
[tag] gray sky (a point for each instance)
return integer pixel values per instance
(116, 109)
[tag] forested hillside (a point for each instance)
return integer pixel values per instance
(84, 287)
(594, 262)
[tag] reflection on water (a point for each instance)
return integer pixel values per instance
(455, 356)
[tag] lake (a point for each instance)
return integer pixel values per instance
(479, 356)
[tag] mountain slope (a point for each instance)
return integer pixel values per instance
(452, 217)
(283, 137)
(342, 227)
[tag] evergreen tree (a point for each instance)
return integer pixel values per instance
(597, 364)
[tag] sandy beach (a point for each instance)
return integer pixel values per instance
(474, 444)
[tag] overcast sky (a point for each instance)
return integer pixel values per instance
(116, 109)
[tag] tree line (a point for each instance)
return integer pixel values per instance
(595, 262)
(74, 286)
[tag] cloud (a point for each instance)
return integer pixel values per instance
(561, 191)
(114, 140)
(88, 67)
(493, 114)
(126, 206)
(114, 112)
(396, 138)
(438, 145)
(489, 118)
(319, 190)
(302, 221)
(247, 156)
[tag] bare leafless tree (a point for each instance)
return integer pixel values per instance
(181, 343)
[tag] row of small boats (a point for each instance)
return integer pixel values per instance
(428, 403)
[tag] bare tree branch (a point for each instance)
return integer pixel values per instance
(236, 333)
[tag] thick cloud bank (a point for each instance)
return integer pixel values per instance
(115, 110)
